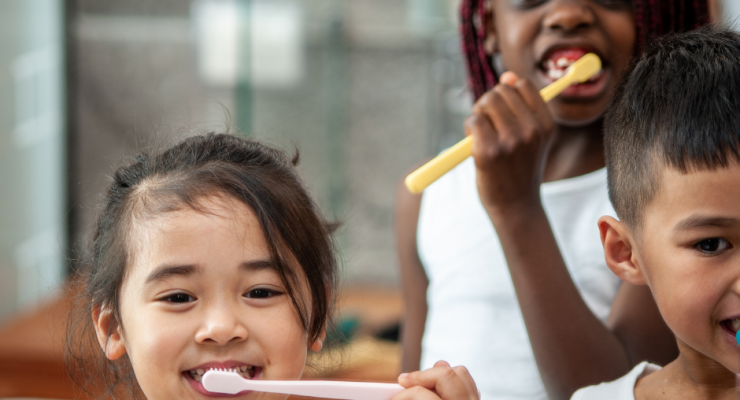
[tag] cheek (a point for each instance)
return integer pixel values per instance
(285, 342)
(154, 343)
(515, 37)
(686, 300)
(620, 28)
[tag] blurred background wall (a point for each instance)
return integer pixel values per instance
(362, 88)
(33, 175)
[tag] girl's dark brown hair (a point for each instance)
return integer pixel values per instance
(263, 178)
(653, 18)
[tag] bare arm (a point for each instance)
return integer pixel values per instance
(413, 278)
(512, 130)
(573, 348)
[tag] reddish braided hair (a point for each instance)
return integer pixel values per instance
(653, 18)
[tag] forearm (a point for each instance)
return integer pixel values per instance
(572, 347)
(413, 278)
(414, 283)
(412, 331)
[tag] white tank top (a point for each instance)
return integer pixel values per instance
(473, 316)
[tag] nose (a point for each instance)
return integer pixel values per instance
(221, 325)
(569, 15)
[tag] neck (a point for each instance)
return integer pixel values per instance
(575, 151)
(703, 377)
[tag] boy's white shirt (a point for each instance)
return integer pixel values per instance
(620, 389)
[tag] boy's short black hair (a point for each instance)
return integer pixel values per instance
(678, 107)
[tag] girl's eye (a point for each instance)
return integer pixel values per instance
(178, 298)
(261, 293)
(712, 246)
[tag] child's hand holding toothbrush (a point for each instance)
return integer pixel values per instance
(442, 382)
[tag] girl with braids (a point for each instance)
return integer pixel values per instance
(501, 262)
(211, 254)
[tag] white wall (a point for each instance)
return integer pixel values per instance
(32, 166)
(731, 12)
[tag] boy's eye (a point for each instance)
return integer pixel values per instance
(261, 293)
(712, 246)
(178, 298)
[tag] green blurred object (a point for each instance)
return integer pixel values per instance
(343, 332)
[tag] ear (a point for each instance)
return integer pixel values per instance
(109, 333)
(490, 43)
(318, 344)
(619, 248)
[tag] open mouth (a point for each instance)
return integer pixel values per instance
(555, 63)
(246, 372)
(194, 376)
(732, 325)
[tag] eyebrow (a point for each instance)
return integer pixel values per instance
(164, 272)
(699, 221)
(258, 265)
(167, 271)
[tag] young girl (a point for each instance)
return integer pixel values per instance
(501, 262)
(212, 255)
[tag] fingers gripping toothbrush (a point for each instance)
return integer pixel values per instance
(579, 72)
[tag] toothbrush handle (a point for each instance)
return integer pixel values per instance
(328, 389)
(418, 180)
(550, 91)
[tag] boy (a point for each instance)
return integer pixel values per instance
(672, 142)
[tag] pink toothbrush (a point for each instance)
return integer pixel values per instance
(230, 382)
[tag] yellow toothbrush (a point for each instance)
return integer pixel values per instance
(579, 72)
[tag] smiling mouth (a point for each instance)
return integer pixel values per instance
(246, 372)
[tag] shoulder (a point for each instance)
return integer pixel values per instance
(620, 389)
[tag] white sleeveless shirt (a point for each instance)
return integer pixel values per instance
(473, 315)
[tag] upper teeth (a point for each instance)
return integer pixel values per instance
(563, 62)
(560, 63)
(556, 68)
(244, 370)
(735, 324)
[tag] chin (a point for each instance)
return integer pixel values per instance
(576, 122)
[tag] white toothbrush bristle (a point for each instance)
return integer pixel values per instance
(222, 380)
